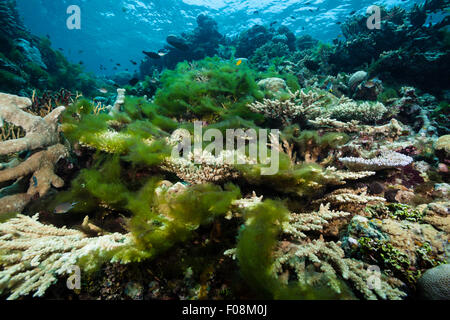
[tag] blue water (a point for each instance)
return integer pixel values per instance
(116, 31)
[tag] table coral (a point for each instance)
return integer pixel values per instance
(387, 160)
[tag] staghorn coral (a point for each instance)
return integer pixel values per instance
(348, 110)
(315, 221)
(386, 160)
(318, 261)
(34, 255)
(300, 105)
(349, 196)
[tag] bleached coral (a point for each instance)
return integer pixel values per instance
(386, 160)
(34, 255)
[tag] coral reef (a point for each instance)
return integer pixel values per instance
(357, 208)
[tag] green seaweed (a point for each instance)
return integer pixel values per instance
(210, 90)
(256, 243)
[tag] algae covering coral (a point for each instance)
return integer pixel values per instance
(261, 166)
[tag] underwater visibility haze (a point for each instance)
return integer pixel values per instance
(224, 149)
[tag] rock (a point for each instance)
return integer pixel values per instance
(177, 42)
(437, 214)
(435, 283)
(405, 235)
(31, 53)
(356, 79)
(359, 227)
(443, 144)
(273, 85)
(368, 90)
(8, 66)
(122, 78)
(442, 189)
(405, 196)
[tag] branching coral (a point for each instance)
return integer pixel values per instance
(34, 255)
(330, 266)
(300, 105)
(348, 110)
(300, 223)
(349, 196)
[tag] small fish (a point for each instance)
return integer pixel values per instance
(338, 22)
(103, 90)
(60, 49)
(81, 62)
(273, 23)
(353, 12)
(133, 62)
(256, 12)
(240, 60)
(118, 64)
(35, 182)
(330, 87)
(65, 207)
